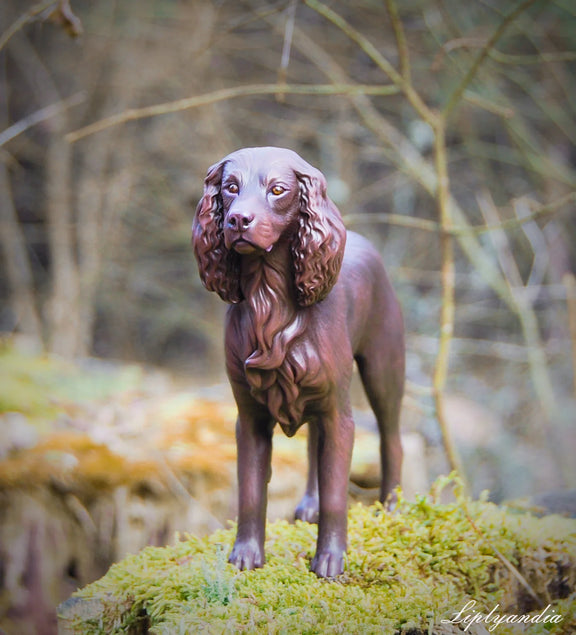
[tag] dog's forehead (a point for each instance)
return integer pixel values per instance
(262, 164)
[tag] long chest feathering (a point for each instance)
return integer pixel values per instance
(283, 369)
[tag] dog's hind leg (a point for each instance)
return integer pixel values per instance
(308, 508)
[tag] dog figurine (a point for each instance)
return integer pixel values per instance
(307, 299)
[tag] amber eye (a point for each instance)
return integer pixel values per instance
(232, 188)
(277, 190)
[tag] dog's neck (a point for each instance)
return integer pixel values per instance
(268, 287)
(275, 323)
(268, 275)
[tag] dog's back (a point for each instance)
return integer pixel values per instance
(372, 305)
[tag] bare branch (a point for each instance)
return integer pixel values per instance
(287, 45)
(367, 46)
(540, 374)
(503, 559)
(403, 52)
(223, 95)
(393, 219)
(447, 309)
(456, 96)
(570, 286)
(456, 230)
(502, 111)
(512, 223)
(39, 116)
(541, 58)
(23, 20)
(451, 45)
(498, 56)
(374, 54)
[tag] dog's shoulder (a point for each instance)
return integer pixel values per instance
(360, 254)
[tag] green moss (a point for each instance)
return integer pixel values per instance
(407, 570)
(39, 386)
(28, 383)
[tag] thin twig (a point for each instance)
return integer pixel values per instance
(503, 559)
(180, 491)
(533, 156)
(540, 254)
(513, 223)
(497, 56)
(541, 58)
(39, 116)
(286, 47)
(537, 361)
(225, 94)
(393, 219)
(525, 312)
(374, 54)
(464, 347)
(460, 230)
(502, 111)
(401, 45)
(570, 286)
(456, 96)
(23, 20)
(451, 45)
(447, 310)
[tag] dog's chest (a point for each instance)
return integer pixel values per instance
(293, 389)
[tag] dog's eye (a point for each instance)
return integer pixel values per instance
(232, 188)
(277, 190)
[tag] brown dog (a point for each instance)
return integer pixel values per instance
(307, 300)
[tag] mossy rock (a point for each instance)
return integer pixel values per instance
(406, 572)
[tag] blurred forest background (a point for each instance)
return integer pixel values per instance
(447, 133)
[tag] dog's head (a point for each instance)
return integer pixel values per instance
(259, 199)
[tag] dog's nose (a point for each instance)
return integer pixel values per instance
(240, 221)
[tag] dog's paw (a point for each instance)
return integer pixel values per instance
(328, 564)
(308, 509)
(390, 502)
(247, 555)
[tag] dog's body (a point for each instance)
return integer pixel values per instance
(307, 300)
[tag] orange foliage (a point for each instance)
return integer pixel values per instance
(190, 440)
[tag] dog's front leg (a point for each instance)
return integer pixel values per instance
(334, 456)
(254, 443)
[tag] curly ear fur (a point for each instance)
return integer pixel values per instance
(219, 268)
(318, 247)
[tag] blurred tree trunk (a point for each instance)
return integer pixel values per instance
(83, 194)
(64, 332)
(99, 200)
(65, 335)
(14, 247)
(18, 271)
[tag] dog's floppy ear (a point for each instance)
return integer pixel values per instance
(219, 268)
(318, 247)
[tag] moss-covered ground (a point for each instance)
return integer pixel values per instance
(405, 573)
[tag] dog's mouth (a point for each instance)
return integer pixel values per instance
(245, 247)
